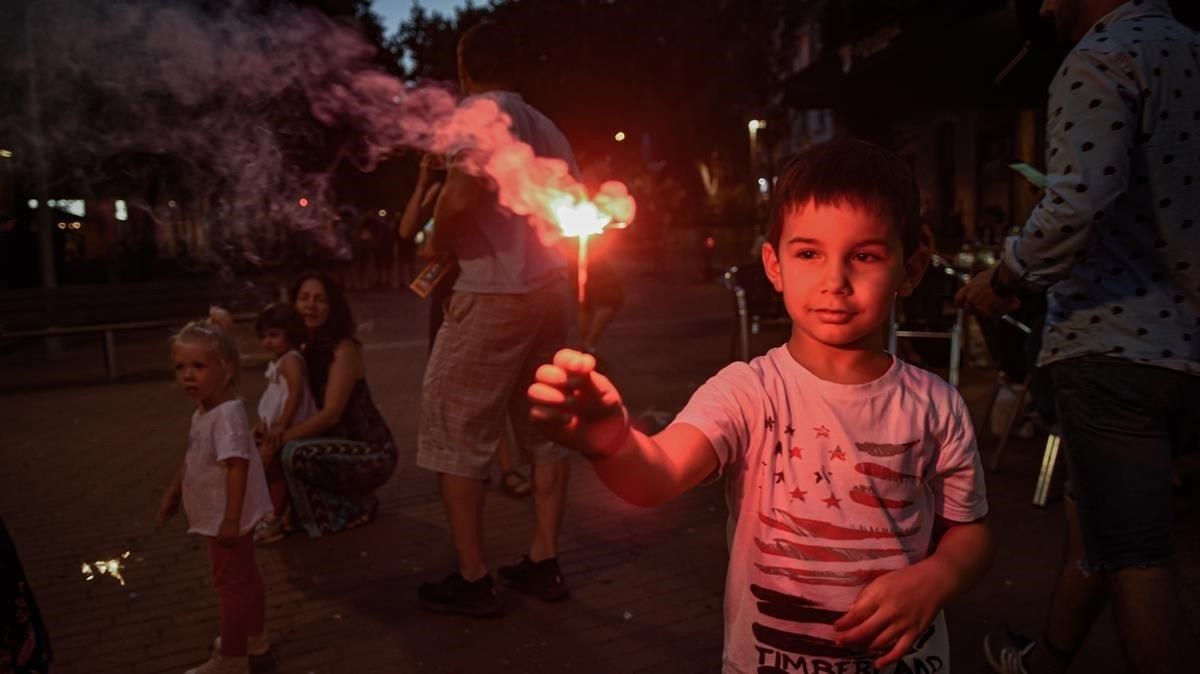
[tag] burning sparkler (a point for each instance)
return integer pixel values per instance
(612, 206)
(106, 567)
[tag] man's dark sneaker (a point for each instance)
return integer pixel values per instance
(540, 579)
(455, 594)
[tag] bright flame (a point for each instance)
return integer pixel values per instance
(105, 567)
(578, 218)
(478, 136)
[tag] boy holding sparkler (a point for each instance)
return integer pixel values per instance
(855, 487)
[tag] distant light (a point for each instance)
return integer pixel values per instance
(5, 154)
(756, 124)
(303, 202)
(32, 203)
(76, 225)
(419, 238)
(171, 204)
(62, 225)
(120, 210)
(76, 207)
(763, 185)
(382, 213)
(52, 203)
(710, 243)
(620, 136)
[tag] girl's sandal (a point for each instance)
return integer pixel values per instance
(514, 484)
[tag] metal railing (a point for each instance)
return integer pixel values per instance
(109, 330)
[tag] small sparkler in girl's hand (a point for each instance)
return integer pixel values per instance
(106, 567)
(612, 206)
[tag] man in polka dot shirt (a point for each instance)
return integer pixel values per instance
(1114, 243)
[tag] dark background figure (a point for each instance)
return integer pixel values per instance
(24, 642)
(1113, 242)
(417, 212)
(507, 314)
(18, 248)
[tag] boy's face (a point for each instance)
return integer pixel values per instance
(839, 269)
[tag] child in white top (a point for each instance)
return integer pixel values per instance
(855, 488)
(287, 401)
(223, 488)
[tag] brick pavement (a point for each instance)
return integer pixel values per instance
(81, 470)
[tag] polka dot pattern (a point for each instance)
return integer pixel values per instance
(1111, 237)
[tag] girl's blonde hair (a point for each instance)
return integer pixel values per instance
(215, 331)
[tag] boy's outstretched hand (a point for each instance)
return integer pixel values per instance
(578, 407)
(890, 613)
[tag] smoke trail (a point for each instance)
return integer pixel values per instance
(243, 110)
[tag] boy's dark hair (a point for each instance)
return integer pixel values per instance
(282, 316)
(851, 172)
(489, 54)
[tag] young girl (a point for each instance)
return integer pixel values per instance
(223, 489)
(287, 401)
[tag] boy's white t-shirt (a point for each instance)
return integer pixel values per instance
(218, 434)
(275, 396)
(829, 486)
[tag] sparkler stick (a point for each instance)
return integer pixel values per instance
(582, 220)
(583, 267)
(579, 217)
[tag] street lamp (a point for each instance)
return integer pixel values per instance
(754, 126)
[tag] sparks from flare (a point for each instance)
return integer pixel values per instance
(105, 567)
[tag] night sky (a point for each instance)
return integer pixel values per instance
(392, 12)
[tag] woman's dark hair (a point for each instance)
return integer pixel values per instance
(282, 316)
(320, 343)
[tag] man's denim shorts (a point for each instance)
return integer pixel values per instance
(1122, 424)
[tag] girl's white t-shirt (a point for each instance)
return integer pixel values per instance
(216, 435)
(275, 397)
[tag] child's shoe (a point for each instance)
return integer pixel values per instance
(269, 530)
(256, 645)
(222, 665)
